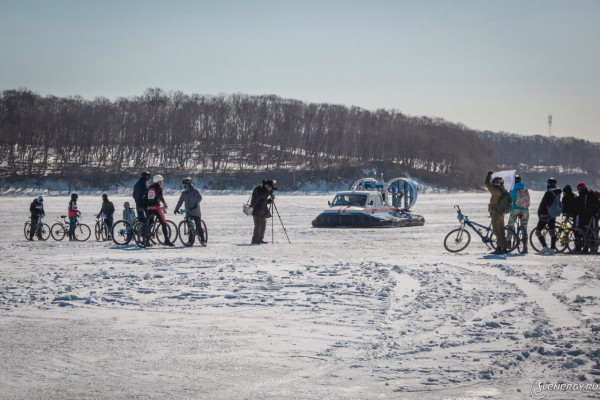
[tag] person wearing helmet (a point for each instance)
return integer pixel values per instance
(140, 195)
(545, 219)
(37, 211)
(588, 207)
(496, 188)
(155, 197)
(73, 213)
(262, 196)
(108, 209)
(191, 198)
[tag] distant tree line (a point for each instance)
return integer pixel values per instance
(53, 136)
(545, 156)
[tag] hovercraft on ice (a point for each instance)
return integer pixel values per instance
(372, 204)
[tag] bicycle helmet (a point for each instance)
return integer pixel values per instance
(157, 178)
(581, 186)
(40, 199)
(551, 183)
(186, 181)
(517, 178)
(498, 181)
(146, 175)
(74, 196)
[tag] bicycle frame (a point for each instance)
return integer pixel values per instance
(476, 227)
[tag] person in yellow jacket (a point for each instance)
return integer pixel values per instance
(496, 188)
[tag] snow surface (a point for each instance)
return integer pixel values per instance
(337, 314)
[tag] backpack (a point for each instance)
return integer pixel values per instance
(522, 200)
(505, 203)
(555, 208)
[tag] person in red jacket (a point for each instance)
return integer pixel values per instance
(154, 198)
(73, 213)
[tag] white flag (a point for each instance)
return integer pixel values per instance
(508, 176)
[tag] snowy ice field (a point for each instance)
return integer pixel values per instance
(337, 314)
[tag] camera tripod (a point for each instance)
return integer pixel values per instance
(273, 206)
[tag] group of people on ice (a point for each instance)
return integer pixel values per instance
(150, 202)
(581, 210)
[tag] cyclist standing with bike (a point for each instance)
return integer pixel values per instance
(496, 188)
(108, 209)
(191, 197)
(140, 195)
(37, 210)
(155, 197)
(520, 208)
(588, 206)
(73, 213)
(550, 208)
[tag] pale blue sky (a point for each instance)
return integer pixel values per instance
(497, 65)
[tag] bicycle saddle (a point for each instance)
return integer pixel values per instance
(63, 216)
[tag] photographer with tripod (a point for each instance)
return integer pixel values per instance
(262, 197)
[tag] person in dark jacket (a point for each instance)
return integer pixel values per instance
(73, 213)
(262, 197)
(191, 198)
(140, 195)
(155, 197)
(108, 209)
(545, 218)
(496, 189)
(570, 204)
(37, 211)
(588, 207)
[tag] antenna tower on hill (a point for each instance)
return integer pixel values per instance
(550, 125)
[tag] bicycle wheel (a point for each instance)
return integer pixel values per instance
(512, 240)
(97, 231)
(576, 240)
(535, 242)
(138, 235)
(457, 240)
(187, 236)
(174, 233)
(104, 232)
(562, 239)
(58, 231)
(27, 229)
(594, 242)
(122, 232)
(521, 239)
(43, 232)
(205, 230)
(82, 232)
(171, 231)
